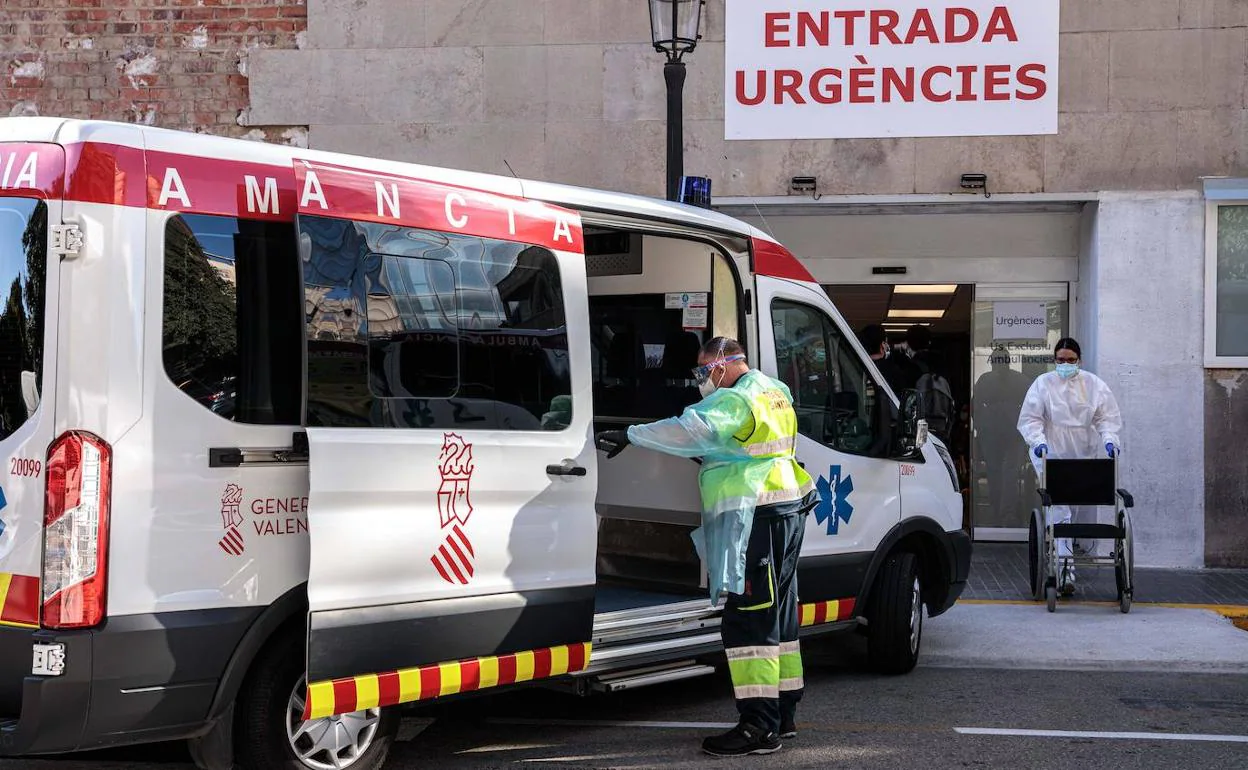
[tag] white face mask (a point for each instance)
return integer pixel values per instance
(707, 388)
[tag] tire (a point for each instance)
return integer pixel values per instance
(1050, 598)
(261, 736)
(1035, 557)
(895, 616)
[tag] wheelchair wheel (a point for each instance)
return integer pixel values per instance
(1035, 554)
(1124, 566)
(1050, 597)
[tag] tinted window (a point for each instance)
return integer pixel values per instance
(835, 398)
(412, 328)
(23, 272)
(232, 334)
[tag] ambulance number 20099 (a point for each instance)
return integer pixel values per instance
(20, 466)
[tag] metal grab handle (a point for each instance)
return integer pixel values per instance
(565, 470)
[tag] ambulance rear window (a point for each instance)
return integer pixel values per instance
(23, 273)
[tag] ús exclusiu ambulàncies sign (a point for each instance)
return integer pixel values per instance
(824, 69)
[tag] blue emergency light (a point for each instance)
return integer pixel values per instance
(696, 191)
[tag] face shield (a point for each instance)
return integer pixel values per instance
(702, 374)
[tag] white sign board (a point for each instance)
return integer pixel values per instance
(683, 299)
(694, 318)
(832, 69)
(1019, 321)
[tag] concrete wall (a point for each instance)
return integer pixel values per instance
(1087, 301)
(1148, 282)
(1152, 95)
(1226, 470)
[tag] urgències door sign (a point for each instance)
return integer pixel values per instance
(826, 69)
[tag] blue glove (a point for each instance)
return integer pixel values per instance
(1111, 450)
(1040, 450)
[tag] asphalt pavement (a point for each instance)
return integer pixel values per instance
(940, 715)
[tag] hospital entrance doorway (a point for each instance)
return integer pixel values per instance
(928, 328)
(989, 342)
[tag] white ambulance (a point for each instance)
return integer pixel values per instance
(291, 438)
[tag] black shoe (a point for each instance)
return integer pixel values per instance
(788, 728)
(741, 740)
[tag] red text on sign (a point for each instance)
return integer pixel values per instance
(879, 26)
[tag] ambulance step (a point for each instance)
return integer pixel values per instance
(612, 628)
(644, 677)
(608, 660)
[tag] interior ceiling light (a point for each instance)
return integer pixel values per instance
(914, 288)
(903, 327)
(932, 314)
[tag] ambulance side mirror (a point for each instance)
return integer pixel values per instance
(911, 432)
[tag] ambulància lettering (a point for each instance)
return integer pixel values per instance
(18, 170)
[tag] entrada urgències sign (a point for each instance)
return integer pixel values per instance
(824, 69)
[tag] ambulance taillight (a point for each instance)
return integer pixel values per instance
(75, 531)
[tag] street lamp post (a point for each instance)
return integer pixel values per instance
(674, 30)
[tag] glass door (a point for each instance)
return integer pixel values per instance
(1014, 330)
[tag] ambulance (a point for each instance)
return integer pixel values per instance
(293, 438)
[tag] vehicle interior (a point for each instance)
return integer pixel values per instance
(653, 301)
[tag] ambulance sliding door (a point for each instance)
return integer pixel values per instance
(453, 470)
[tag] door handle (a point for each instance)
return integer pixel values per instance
(566, 469)
(236, 457)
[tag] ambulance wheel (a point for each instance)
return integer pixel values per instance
(895, 616)
(270, 733)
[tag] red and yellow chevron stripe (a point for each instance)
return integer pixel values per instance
(819, 613)
(342, 696)
(19, 600)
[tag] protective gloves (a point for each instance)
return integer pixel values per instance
(1040, 450)
(1111, 450)
(611, 441)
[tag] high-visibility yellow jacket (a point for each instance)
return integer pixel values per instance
(747, 437)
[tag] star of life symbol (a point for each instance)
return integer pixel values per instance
(231, 518)
(453, 558)
(834, 506)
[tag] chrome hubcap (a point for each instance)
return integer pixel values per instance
(916, 616)
(329, 743)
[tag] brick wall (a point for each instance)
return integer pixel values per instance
(172, 63)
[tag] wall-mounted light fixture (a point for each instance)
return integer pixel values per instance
(975, 182)
(805, 184)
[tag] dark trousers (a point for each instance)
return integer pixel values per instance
(759, 627)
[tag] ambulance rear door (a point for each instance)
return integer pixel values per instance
(31, 178)
(453, 533)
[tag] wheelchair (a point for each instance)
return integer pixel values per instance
(1080, 482)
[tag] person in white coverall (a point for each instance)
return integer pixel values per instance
(1069, 414)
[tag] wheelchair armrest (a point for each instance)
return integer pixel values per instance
(1045, 500)
(1127, 500)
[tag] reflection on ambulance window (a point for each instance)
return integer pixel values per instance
(833, 394)
(23, 266)
(419, 329)
(232, 334)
